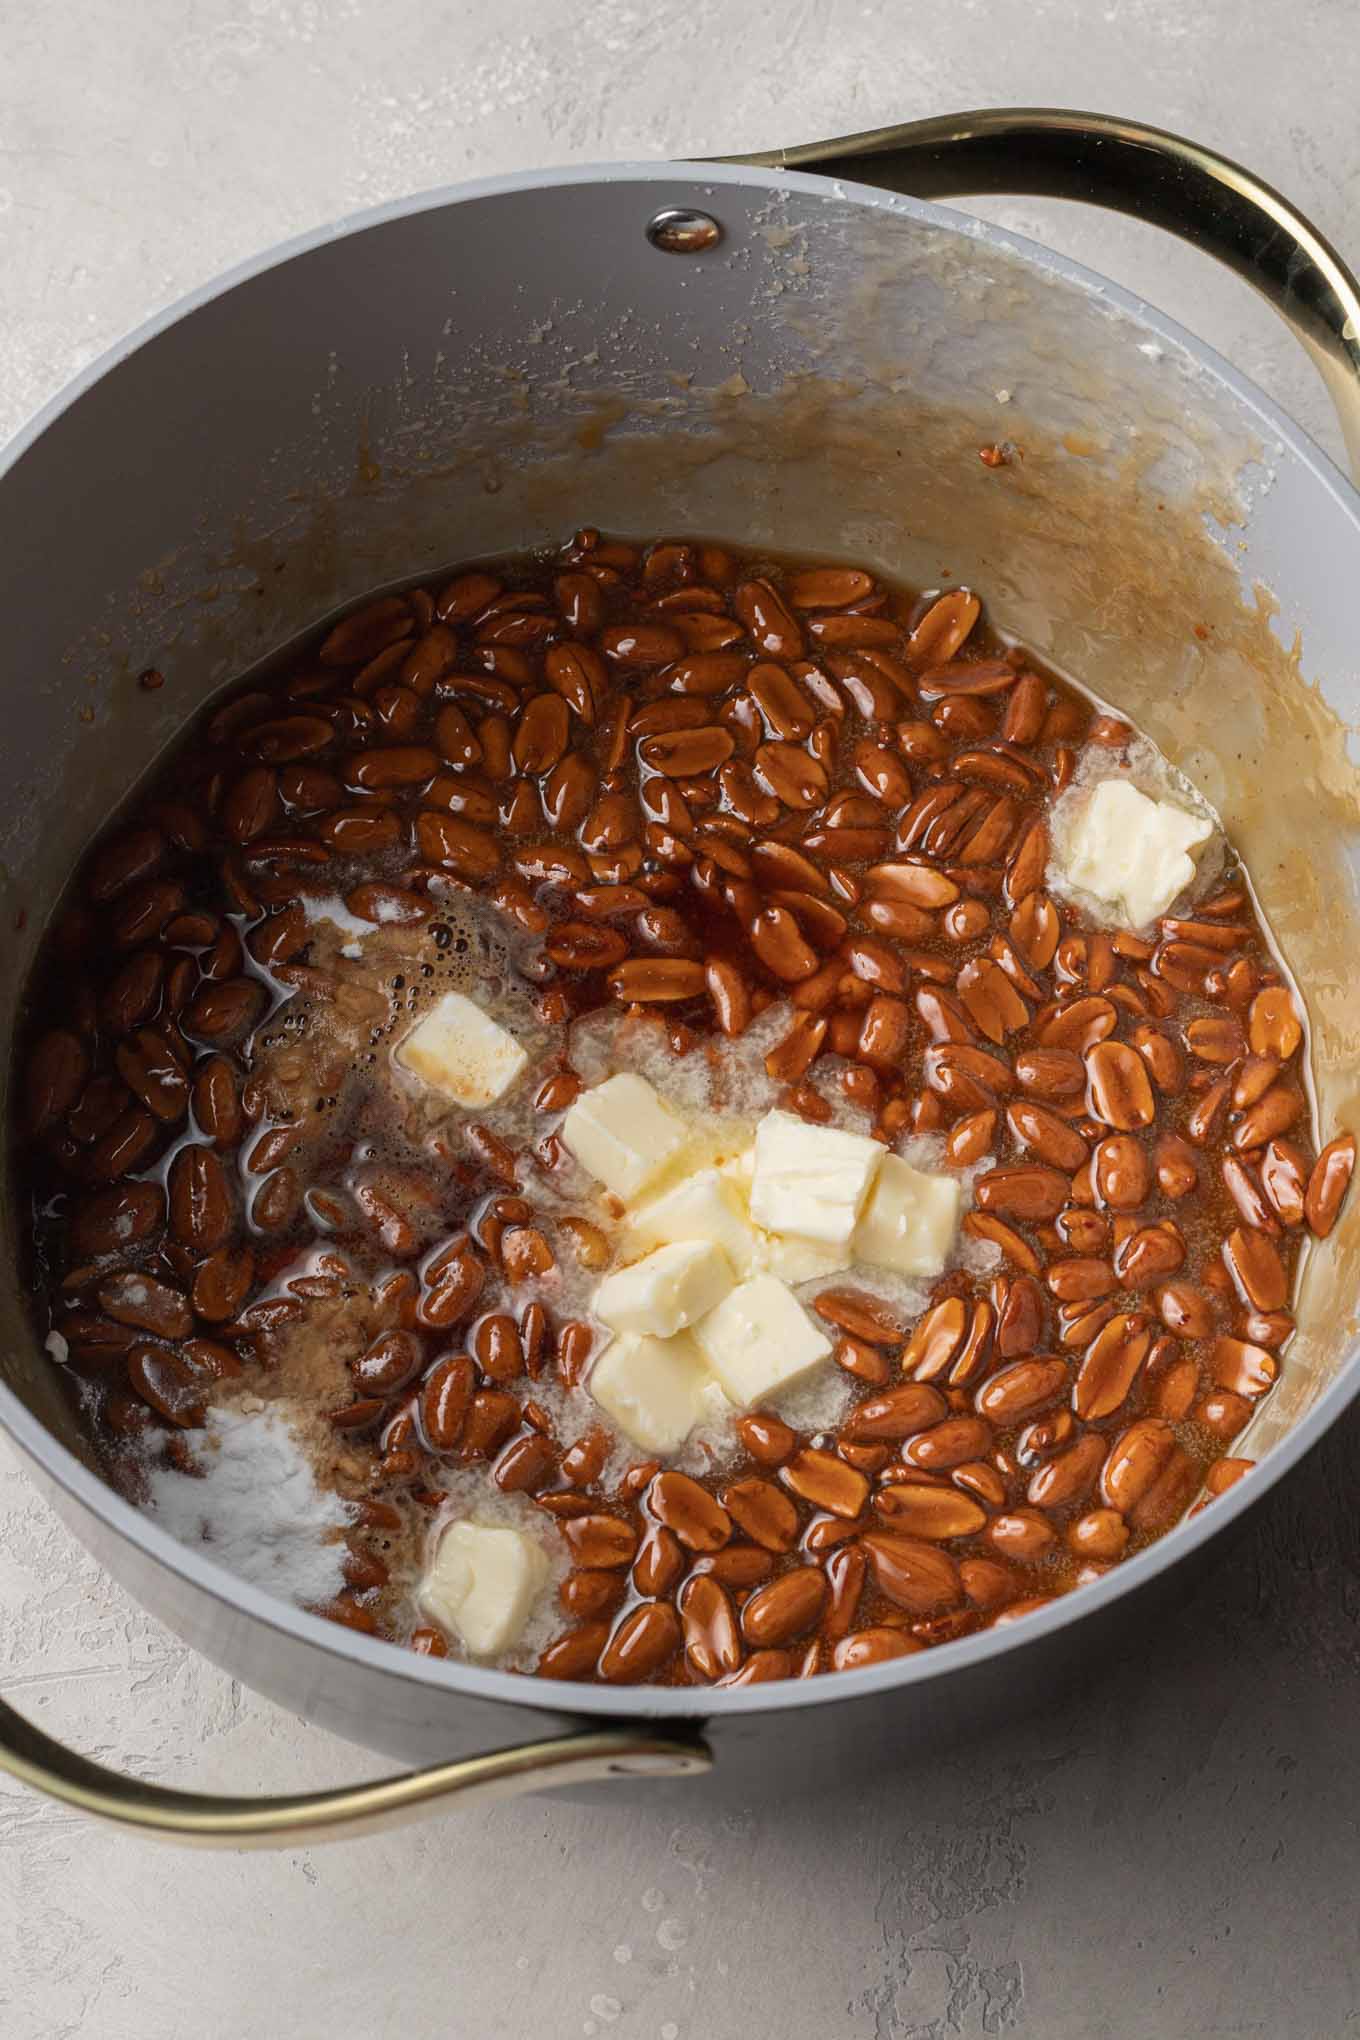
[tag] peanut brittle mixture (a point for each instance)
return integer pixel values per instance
(647, 1114)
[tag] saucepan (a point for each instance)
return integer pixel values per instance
(783, 350)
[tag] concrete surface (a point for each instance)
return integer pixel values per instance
(1170, 1853)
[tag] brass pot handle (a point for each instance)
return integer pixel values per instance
(1204, 198)
(37, 1759)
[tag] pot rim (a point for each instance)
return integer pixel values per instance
(517, 1689)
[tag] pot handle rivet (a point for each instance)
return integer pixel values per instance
(676, 230)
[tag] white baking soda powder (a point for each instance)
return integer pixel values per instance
(256, 1506)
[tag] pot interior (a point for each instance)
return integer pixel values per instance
(483, 374)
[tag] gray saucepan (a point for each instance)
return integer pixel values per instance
(782, 350)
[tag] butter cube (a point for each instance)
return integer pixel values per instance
(909, 1221)
(811, 1181)
(704, 1206)
(623, 1134)
(759, 1340)
(483, 1583)
(652, 1388)
(794, 1260)
(666, 1290)
(458, 1049)
(1132, 851)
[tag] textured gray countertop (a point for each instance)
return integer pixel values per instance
(1171, 1852)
